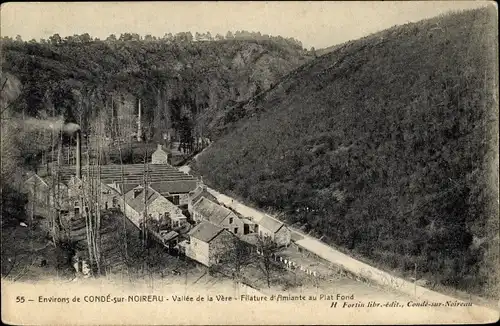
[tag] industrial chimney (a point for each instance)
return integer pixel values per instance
(139, 129)
(70, 129)
(78, 155)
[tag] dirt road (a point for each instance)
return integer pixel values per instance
(355, 266)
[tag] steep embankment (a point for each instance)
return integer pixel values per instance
(386, 147)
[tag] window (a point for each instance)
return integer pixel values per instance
(76, 204)
(230, 220)
(174, 199)
(235, 230)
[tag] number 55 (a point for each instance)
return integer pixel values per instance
(19, 299)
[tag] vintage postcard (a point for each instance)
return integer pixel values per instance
(249, 163)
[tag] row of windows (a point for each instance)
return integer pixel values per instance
(235, 230)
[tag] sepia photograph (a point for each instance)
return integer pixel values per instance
(249, 163)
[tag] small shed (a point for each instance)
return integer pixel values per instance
(169, 238)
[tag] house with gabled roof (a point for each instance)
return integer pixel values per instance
(177, 191)
(160, 156)
(195, 195)
(122, 188)
(274, 229)
(160, 211)
(47, 192)
(207, 210)
(208, 243)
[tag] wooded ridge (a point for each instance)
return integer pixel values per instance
(387, 147)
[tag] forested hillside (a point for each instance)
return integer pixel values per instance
(182, 81)
(386, 146)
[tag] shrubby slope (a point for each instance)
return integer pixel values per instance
(387, 146)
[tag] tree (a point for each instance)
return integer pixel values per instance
(19, 39)
(237, 259)
(229, 35)
(168, 37)
(219, 37)
(55, 39)
(71, 39)
(183, 37)
(130, 37)
(111, 38)
(85, 38)
(313, 51)
(186, 124)
(266, 249)
(158, 122)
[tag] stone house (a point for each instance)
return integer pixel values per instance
(197, 194)
(110, 197)
(161, 212)
(177, 191)
(274, 229)
(208, 243)
(78, 189)
(207, 210)
(46, 190)
(47, 194)
(122, 188)
(160, 156)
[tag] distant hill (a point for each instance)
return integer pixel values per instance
(176, 80)
(385, 146)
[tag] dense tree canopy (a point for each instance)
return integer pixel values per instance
(385, 146)
(79, 76)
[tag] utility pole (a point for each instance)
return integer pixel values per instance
(32, 215)
(53, 190)
(145, 184)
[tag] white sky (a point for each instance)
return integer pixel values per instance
(318, 24)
